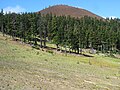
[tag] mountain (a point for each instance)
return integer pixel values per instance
(66, 10)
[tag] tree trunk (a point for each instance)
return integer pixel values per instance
(2, 29)
(40, 42)
(35, 41)
(69, 50)
(65, 51)
(44, 43)
(40, 38)
(57, 47)
(44, 39)
(77, 50)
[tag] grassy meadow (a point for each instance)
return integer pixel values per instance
(25, 68)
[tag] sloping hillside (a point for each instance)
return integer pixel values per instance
(60, 10)
(25, 68)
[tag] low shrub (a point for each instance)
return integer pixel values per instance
(50, 51)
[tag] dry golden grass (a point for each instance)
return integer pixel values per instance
(25, 68)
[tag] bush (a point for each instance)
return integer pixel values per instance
(77, 62)
(36, 47)
(37, 53)
(50, 51)
(46, 60)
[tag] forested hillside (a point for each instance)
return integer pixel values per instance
(65, 31)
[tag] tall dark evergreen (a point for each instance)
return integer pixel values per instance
(2, 21)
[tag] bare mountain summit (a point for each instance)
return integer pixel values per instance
(60, 10)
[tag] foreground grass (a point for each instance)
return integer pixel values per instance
(25, 68)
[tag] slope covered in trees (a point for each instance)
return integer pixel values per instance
(65, 31)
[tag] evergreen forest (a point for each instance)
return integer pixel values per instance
(68, 32)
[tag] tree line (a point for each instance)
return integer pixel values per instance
(64, 31)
